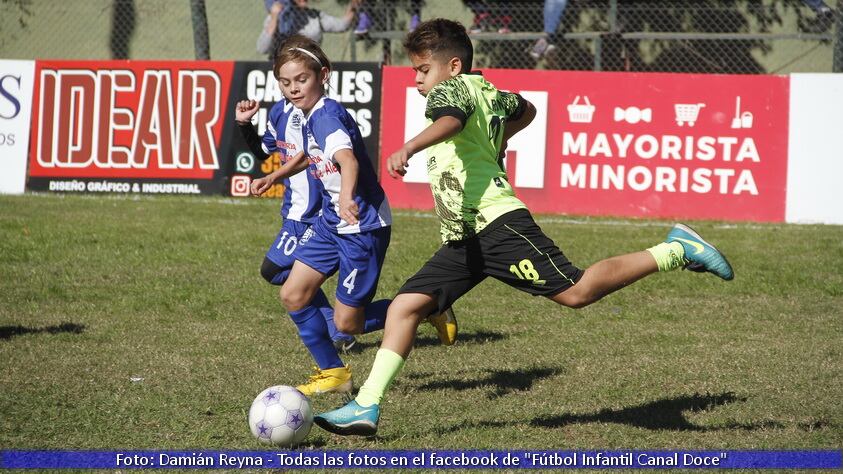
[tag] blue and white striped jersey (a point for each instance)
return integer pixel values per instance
(303, 193)
(330, 128)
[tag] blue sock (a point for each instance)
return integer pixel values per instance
(314, 334)
(320, 301)
(375, 315)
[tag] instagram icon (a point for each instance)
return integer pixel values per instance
(240, 185)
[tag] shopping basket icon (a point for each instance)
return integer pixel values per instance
(580, 113)
(687, 113)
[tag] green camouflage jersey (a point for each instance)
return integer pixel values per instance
(468, 182)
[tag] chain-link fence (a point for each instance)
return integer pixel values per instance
(708, 36)
(711, 36)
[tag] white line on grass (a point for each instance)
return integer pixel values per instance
(542, 219)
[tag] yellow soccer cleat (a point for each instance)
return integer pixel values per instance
(329, 380)
(446, 326)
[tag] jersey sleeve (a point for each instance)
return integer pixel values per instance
(513, 104)
(331, 135)
(268, 143)
(253, 141)
(449, 98)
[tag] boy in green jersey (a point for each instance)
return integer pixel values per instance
(485, 229)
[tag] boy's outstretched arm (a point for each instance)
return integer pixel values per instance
(441, 129)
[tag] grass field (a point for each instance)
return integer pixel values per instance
(144, 323)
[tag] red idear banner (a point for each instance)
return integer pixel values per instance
(625, 144)
(128, 119)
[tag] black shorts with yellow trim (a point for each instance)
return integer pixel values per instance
(512, 249)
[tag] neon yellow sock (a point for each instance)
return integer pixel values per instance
(386, 367)
(668, 255)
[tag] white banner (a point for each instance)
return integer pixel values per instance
(16, 82)
(815, 151)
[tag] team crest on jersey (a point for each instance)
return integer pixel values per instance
(306, 236)
(295, 121)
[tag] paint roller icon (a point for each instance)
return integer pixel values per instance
(741, 120)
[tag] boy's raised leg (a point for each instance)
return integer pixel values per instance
(607, 276)
(682, 248)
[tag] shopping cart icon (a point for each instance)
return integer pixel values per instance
(580, 113)
(687, 113)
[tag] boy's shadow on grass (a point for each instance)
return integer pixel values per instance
(502, 381)
(8, 332)
(664, 414)
(478, 337)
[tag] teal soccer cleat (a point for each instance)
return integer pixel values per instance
(700, 255)
(352, 419)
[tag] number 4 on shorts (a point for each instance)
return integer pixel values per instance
(349, 281)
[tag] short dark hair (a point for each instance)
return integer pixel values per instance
(441, 36)
(291, 50)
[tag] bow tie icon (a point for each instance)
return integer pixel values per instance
(633, 115)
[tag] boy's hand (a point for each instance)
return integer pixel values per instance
(349, 211)
(245, 109)
(276, 8)
(260, 185)
(397, 163)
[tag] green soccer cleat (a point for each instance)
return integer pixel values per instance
(351, 419)
(700, 255)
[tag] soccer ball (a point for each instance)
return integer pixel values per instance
(280, 415)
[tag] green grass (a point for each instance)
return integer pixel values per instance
(95, 291)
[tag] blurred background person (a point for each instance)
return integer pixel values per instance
(553, 11)
(372, 17)
(287, 17)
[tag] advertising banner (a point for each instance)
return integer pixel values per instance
(355, 85)
(16, 82)
(815, 160)
(625, 144)
(128, 126)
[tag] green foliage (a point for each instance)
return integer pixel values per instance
(144, 323)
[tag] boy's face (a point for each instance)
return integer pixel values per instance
(431, 70)
(300, 84)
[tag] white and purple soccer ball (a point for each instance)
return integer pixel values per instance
(280, 415)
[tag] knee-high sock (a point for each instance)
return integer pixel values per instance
(320, 301)
(375, 315)
(668, 255)
(314, 334)
(386, 367)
